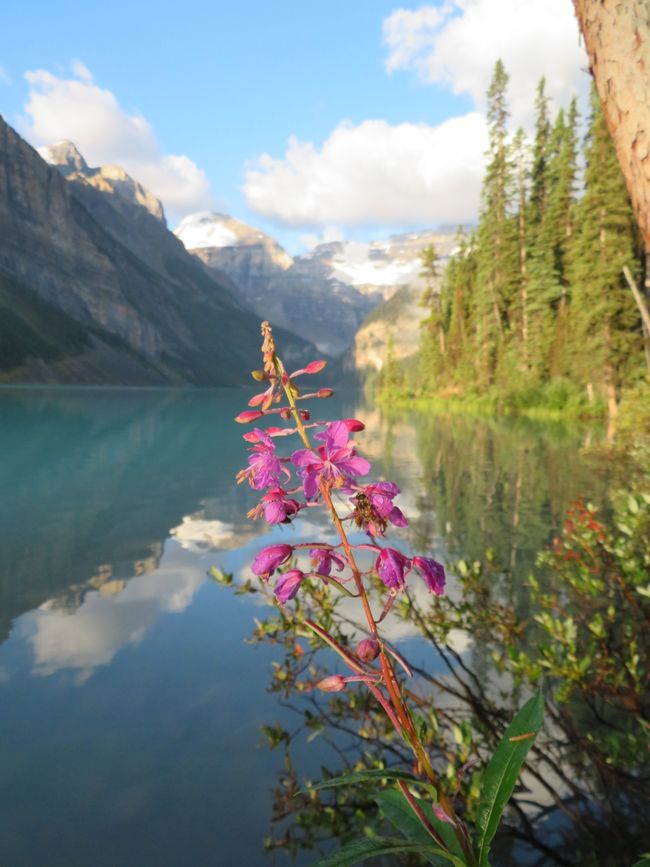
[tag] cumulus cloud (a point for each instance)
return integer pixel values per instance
(457, 45)
(78, 109)
(375, 174)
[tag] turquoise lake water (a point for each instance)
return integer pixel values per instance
(131, 704)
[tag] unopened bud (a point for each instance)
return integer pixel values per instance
(315, 366)
(252, 436)
(248, 416)
(325, 392)
(285, 413)
(353, 424)
(333, 683)
(368, 649)
(305, 415)
(258, 375)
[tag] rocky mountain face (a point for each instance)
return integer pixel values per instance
(95, 289)
(324, 295)
(400, 316)
(127, 195)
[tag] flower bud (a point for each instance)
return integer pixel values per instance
(315, 366)
(325, 392)
(285, 413)
(305, 415)
(353, 424)
(269, 559)
(248, 416)
(368, 649)
(258, 375)
(333, 683)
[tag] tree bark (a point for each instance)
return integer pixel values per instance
(617, 39)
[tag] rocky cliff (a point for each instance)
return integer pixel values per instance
(95, 289)
(399, 317)
(324, 295)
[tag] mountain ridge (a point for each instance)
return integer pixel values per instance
(81, 302)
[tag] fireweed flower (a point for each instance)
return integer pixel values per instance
(269, 559)
(287, 585)
(323, 558)
(278, 507)
(264, 466)
(333, 683)
(336, 463)
(392, 567)
(374, 508)
(432, 572)
(368, 649)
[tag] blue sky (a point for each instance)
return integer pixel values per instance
(223, 84)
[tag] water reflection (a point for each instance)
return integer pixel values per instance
(131, 703)
(131, 706)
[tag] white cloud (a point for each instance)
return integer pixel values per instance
(375, 174)
(326, 236)
(458, 44)
(78, 109)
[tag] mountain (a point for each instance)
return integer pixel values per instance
(324, 295)
(127, 196)
(95, 289)
(400, 316)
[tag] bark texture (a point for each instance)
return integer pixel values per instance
(617, 38)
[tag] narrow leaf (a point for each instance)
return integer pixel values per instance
(364, 777)
(503, 769)
(398, 812)
(372, 847)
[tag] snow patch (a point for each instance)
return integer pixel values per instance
(204, 230)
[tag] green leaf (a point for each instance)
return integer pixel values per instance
(503, 769)
(361, 850)
(397, 810)
(364, 777)
(644, 862)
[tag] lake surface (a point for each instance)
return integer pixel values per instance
(130, 701)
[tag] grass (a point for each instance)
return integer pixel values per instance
(554, 401)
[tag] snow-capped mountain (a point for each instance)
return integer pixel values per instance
(324, 295)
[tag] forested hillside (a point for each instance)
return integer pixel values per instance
(534, 309)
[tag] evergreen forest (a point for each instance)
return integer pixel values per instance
(533, 310)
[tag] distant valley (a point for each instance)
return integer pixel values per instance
(326, 294)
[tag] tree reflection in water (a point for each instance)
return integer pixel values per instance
(579, 626)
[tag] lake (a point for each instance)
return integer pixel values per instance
(131, 702)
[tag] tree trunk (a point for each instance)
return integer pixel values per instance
(617, 38)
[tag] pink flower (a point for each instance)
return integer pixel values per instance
(374, 508)
(335, 464)
(277, 505)
(270, 558)
(432, 572)
(392, 567)
(368, 649)
(312, 367)
(323, 558)
(248, 416)
(354, 425)
(287, 585)
(333, 683)
(264, 466)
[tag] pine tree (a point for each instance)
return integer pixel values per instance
(496, 249)
(539, 171)
(605, 331)
(560, 216)
(432, 327)
(520, 317)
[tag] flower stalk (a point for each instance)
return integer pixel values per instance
(335, 465)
